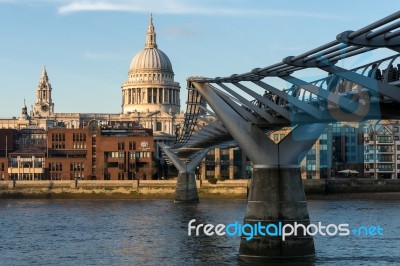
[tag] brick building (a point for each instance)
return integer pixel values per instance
(103, 153)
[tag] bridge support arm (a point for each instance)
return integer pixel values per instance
(180, 166)
(298, 142)
(186, 189)
(251, 139)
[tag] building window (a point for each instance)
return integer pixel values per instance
(276, 137)
(77, 167)
(121, 176)
(121, 145)
(395, 129)
(55, 167)
(158, 126)
(58, 145)
(385, 167)
(385, 148)
(79, 137)
(79, 145)
(116, 154)
(55, 176)
(58, 137)
(132, 145)
(149, 92)
(141, 154)
(386, 157)
(385, 139)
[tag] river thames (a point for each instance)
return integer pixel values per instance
(154, 232)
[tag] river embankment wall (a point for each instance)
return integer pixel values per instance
(236, 189)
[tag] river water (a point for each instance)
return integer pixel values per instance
(154, 232)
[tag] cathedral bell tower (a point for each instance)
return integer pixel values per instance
(44, 105)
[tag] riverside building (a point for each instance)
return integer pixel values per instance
(95, 153)
(382, 150)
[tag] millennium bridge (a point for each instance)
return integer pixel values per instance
(219, 112)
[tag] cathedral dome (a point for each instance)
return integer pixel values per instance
(151, 59)
(150, 87)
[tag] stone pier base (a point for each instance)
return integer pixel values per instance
(276, 195)
(186, 189)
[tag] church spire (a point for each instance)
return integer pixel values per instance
(24, 108)
(24, 112)
(151, 35)
(44, 105)
(44, 76)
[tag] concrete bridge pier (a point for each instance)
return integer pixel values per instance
(186, 189)
(276, 194)
(277, 197)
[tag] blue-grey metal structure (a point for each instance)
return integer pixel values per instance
(219, 109)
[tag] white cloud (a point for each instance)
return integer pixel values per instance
(154, 6)
(184, 7)
(97, 6)
(188, 7)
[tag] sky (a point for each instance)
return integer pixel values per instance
(87, 46)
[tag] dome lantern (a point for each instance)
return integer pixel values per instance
(151, 35)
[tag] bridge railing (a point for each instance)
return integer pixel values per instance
(386, 70)
(193, 110)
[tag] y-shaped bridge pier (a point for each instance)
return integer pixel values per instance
(186, 189)
(276, 193)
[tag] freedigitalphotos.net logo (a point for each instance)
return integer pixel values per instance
(280, 230)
